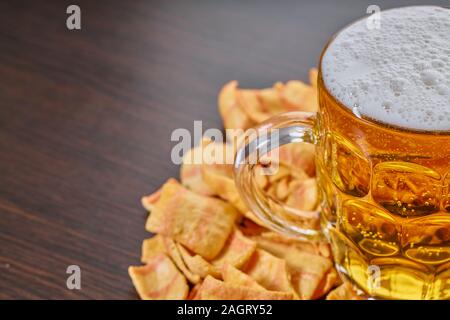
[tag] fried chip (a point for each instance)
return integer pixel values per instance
(191, 170)
(159, 279)
(197, 264)
(269, 104)
(250, 228)
(329, 281)
(292, 193)
(174, 253)
(251, 105)
(300, 207)
(278, 244)
(152, 247)
(233, 116)
(200, 223)
(149, 201)
(313, 77)
(303, 195)
(261, 180)
(281, 173)
(269, 271)
(299, 96)
(282, 190)
(220, 179)
(270, 99)
(308, 262)
(244, 108)
(298, 157)
(308, 271)
(251, 216)
(236, 277)
(213, 289)
(209, 158)
(236, 252)
(344, 292)
(194, 294)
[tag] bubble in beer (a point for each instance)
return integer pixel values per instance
(398, 74)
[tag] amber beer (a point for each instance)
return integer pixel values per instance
(385, 202)
(383, 154)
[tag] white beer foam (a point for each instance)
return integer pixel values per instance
(398, 74)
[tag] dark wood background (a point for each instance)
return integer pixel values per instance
(86, 118)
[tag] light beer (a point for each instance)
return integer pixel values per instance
(384, 153)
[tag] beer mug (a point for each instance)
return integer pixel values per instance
(382, 137)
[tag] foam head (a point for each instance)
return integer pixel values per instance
(397, 74)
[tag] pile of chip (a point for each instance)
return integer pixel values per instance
(208, 245)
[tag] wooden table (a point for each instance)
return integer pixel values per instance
(86, 118)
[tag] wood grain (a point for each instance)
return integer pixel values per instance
(86, 118)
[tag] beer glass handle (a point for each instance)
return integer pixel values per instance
(291, 127)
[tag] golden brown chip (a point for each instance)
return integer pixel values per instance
(299, 174)
(277, 244)
(217, 178)
(299, 204)
(269, 271)
(174, 253)
(220, 179)
(148, 201)
(313, 77)
(282, 189)
(308, 271)
(191, 170)
(300, 96)
(213, 289)
(194, 294)
(303, 195)
(251, 105)
(298, 157)
(281, 173)
(152, 247)
(237, 251)
(309, 263)
(200, 223)
(271, 103)
(197, 264)
(261, 180)
(220, 153)
(344, 292)
(329, 281)
(270, 100)
(236, 277)
(250, 228)
(233, 116)
(251, 216)
(243, 108)
(159, 280)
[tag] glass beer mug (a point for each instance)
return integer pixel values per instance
(382, 137)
